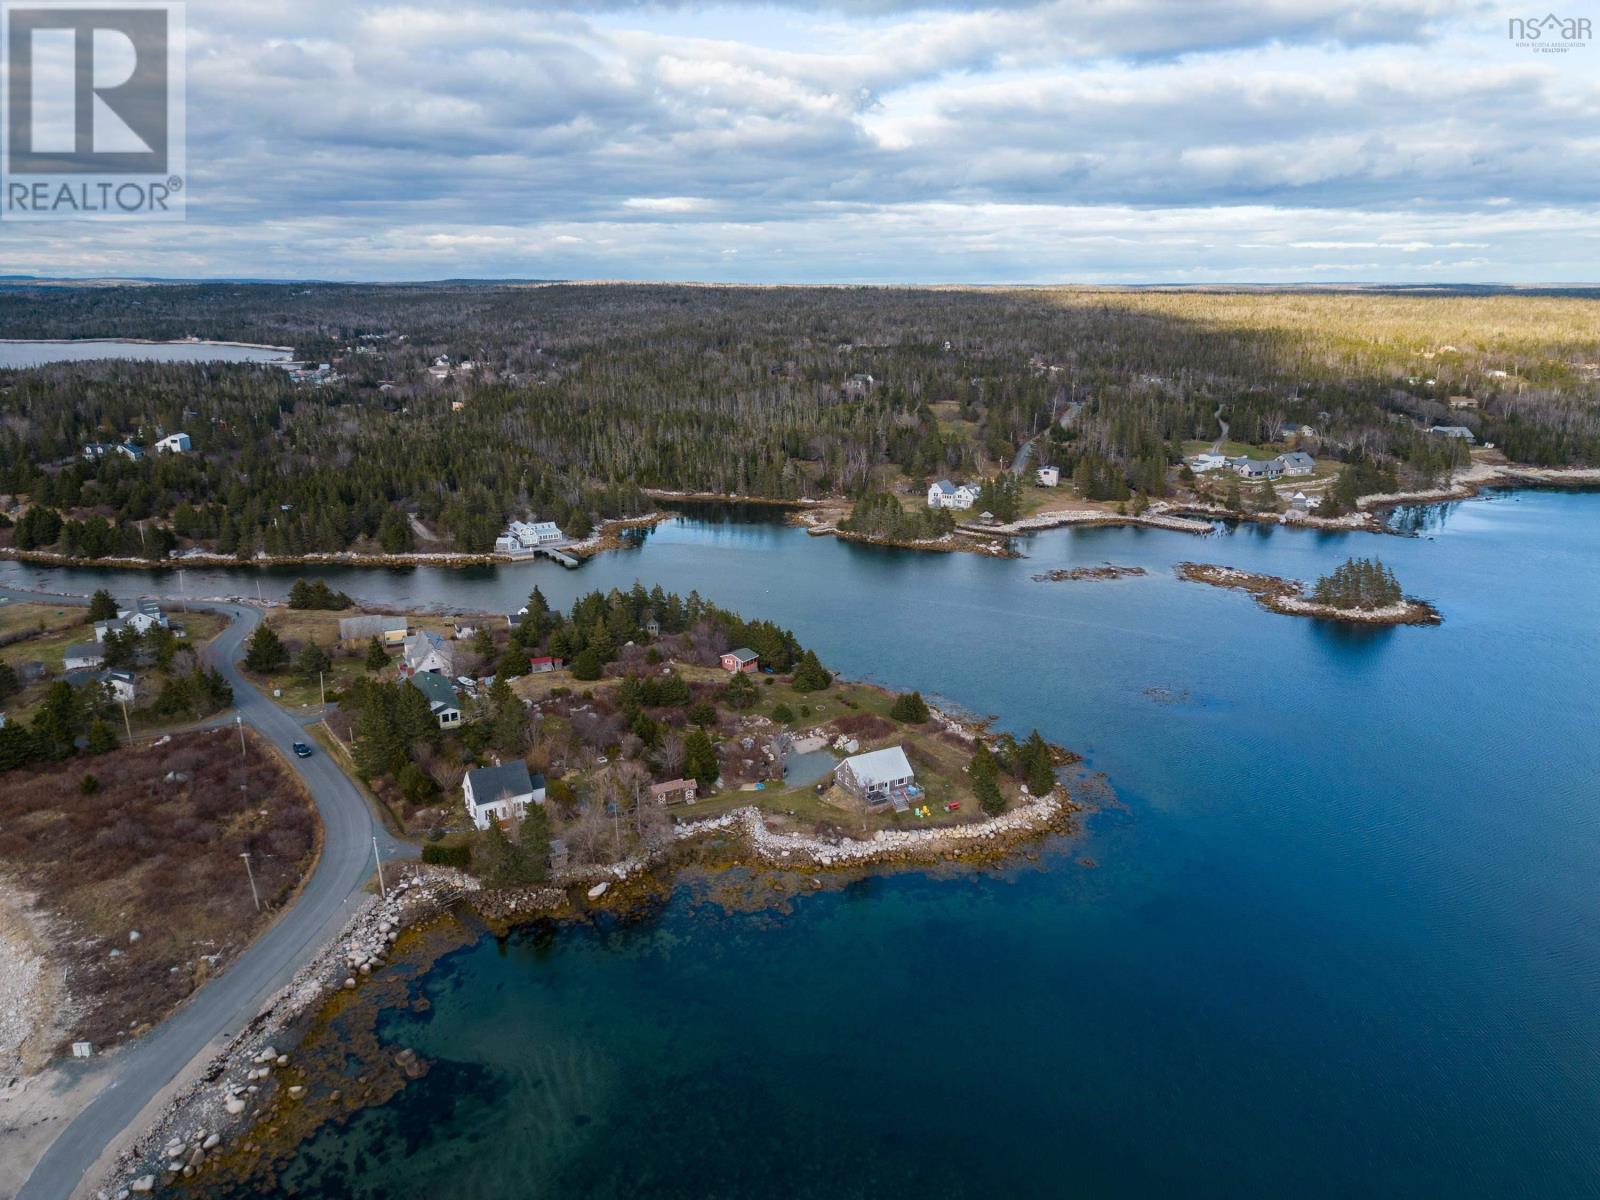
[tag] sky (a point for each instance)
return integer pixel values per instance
(870, 141)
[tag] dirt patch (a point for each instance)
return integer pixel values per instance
(137, 853)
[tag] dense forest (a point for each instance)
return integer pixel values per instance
(451, 408)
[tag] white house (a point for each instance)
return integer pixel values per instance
(876, 776)
(1048, 476)
(120, 684)
(141, 618)
(427, 653)
(501, 793)
(1201, 463)
(1454, 431)
(82, 656)
(174, 443)
(130, 451)
(945, 494)
(522, 536)
(94, 451)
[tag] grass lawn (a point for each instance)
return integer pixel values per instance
(41, 632)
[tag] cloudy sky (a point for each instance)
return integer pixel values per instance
(1188, 141)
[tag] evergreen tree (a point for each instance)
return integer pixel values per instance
(586, 666)
(377, 658)
(311, 662)
(984, 772)
(810, 676)
(264, 653)
(1038, 770)
(740, 692)
(101, 738)
(910, 708)
(700, 758)
(102, 607)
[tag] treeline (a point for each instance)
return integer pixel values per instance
(579, 397)
(881, 515)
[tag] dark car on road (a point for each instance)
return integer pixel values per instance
(301, 750)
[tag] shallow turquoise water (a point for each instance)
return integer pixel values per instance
(1343, 939)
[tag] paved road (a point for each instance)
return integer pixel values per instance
(1019, 464)
(1216, 446)
(225, 1004)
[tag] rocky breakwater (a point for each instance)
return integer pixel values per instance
(197, 1124)
(1035, 816)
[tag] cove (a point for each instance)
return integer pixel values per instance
(1341, 937)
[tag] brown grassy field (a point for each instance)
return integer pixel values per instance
(155, 848)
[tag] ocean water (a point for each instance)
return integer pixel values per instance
(1341, 935)
(15, 354)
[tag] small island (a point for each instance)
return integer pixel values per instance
(1080, 574)
(1360, 591)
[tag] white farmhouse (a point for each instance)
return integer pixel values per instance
(501, 793)
(1048, 476)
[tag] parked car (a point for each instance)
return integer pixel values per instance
(301, 750)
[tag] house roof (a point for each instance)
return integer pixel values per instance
(490, 784)
(84, 650)
(945, 487)
(1298, 458)
(437, 689)
(744, 654)
(366, 626)
(880, 766)
(671, 785)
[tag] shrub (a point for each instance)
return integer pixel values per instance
(457, 854)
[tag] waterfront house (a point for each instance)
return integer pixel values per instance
(82, 656)
(1201, 463)
(524, 537)
(501, 793)
(1048, 476)
(1454, 431)
(174, 443)
(425, 652)
(877, 776)
(442, 701)
(1297, 462)
(674, 791)
(742, 659)
(390, 631)
(945, 494)
(1255, 468)
(544, 664)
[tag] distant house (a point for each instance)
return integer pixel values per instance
(501, 793)
(461, 631)
(143, 616)
(129, 451)
(877, 776)
(425, 652)
(1255, 468)
(94, 451)
(1201, 463)
(1048, 476)
(1454, 431)
(442, 701)
(674, 791)
(945, 494)
(1297, 462)
(1291, 429)
(391, 631)
(544, 664)
(857, 386)
(82, 656)
(521, 537)
(174, 443)
(742, 659)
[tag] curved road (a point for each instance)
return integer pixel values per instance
(227, 1003)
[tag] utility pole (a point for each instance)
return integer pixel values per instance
(262, 600)
(252, 875)
(321, 683)
(127, 724)
(183, 591)
(382, 891)
(239, 720)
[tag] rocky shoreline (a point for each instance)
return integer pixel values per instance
(1078, 574)
(1287, 597)
(204, 1120)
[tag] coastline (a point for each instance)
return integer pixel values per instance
(812, 515)
(129, 341)
(211, 1124)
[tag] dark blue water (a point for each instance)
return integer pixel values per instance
(1345, 938)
